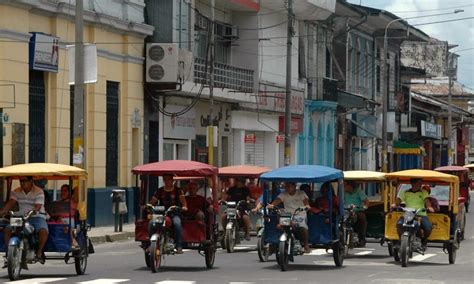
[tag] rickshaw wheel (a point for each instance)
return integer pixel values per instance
(80, 263)
(283, 255)
(156, 252)
(210, 256)
(405, 250)
(338, 253)
(390, 249)
(263, 252)
(451, 254)
(147, 259)
(13, 261)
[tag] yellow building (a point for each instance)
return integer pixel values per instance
(37, 104)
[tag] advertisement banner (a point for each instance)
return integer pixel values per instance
(44, 52)
(179, 127)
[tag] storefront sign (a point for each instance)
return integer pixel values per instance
(430, 130)
(44, 52)
(280, 138)
(296, 124)
(179, 127)
(250, 138)
(273, 98)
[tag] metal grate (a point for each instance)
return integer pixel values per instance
(225, 76)
(111, 154)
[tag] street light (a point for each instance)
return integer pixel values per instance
(385, 87)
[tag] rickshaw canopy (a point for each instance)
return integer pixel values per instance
(176, 168)
(469, 166)
(46, 170)
(425, 175)
(452, 169)
(243, 171)
(364, 176)
(302, 173)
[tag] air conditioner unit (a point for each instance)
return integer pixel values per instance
(161, 63)
(201, 22)
(231, 32)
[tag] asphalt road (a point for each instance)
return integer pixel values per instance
(123, 262)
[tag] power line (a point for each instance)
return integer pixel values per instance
(432, 10)
(446, 21)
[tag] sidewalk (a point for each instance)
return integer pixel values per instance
(100, 235)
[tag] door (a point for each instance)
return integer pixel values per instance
(37, 111)
(111, 154)
(254, 152)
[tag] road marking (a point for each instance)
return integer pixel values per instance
(421, 257)
(104, 281)
(406, 281)
(317, 252)
(364, 252)
(365, 249)
(175, 282)
(37, 280)
(242, 248)
(241, 282)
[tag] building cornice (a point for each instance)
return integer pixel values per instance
(67, 11)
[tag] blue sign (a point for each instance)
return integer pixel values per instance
(44, 52)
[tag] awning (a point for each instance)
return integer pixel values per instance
(405, 148)
(350, 100)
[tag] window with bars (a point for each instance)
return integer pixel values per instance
(112, 129)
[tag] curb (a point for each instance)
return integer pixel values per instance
(112, 237)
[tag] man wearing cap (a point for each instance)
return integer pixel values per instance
(29, 198)
(293, 199)
(416, 198)
(237, 193)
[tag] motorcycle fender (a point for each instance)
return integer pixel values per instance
(283, 237)
(154, 238)
(14, 241)
(406, 233)
(229, 226)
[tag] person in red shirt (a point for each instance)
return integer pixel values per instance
(196, 203)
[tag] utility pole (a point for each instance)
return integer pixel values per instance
(448, 72)
(210, 126)
(288, 85)
(79, 151)
(384, 87)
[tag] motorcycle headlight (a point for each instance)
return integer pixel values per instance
(285, 221)
(409, 216)
(158, 218)
(231, 211)
(16, 222)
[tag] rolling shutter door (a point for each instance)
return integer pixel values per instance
(254, 152)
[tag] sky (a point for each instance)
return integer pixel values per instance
(459, 32)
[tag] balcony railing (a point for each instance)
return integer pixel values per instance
(225, 76)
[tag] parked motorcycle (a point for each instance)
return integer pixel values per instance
(409, 242)
(22, 244)
(161, 241)
(351, 236)
(289, 245)
(233, 234)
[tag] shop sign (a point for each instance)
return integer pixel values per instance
(296, 124)
(280, 138)
(179, 127)
(273, 98)
(44, 52)
(430, 130)
(250, 138)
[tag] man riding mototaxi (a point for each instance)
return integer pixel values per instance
(238, 193)
(416, 198)
(356, 197)
(169, 195)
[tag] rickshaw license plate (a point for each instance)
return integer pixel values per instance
(157, 218)
(16, 222)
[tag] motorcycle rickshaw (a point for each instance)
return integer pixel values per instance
(196, 235)
(464, 197)
(67, 238)
(446, 231)
(325, 229)
(469, 186)
(232, 235)
(376, 187)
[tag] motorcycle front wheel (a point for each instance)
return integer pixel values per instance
(156, 253)
(283, 255)
(230, 239)
(13, 262)
(404, 249)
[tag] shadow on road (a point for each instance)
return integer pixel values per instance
(304, 267)
(26, 276)
(176, 268)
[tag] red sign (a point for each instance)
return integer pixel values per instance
(296, 124)
(280, 138)
(250, 138)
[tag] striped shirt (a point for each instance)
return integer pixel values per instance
(26, 202)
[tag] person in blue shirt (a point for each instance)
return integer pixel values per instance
(356, 197)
